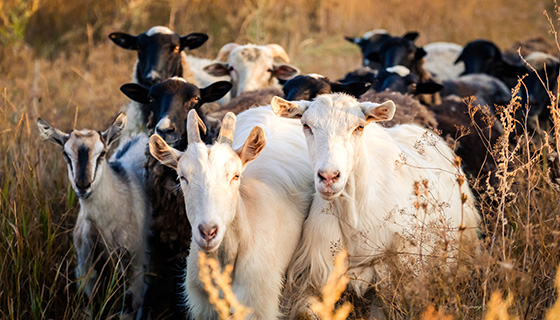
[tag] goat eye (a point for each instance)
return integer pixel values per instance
(177, 49)
(359, 129)
(269, 70)
(306, 127)
(102, 154)
(235, 177)
(230, 68)
(184, 180)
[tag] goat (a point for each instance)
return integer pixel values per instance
(409, 111)
(487, 90)
(246, 202)
(161, 55)
(370, 43)
(169, 102)
(440, 60)
(361, 174)
(114, 212)
(252, 67)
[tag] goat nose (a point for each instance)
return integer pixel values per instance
(83, 184)
(328, 177)
(208, 233)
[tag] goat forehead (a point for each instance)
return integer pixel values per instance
(250, 54)
(334, 111)
(84, 139)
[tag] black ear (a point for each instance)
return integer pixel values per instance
(193, 40)
(428, 87)
(136, 92)
(355, 89)
(412, 35)
(215, 91)
(420, 53)
(124, 40)
(217, 69)
(353, 40)
(284, 72)
(460, 58)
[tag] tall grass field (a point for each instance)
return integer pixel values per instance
(57, 63)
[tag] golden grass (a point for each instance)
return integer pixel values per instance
(77, 87)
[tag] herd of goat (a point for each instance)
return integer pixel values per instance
(277, 190)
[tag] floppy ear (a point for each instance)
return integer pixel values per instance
(124, 40)
(193, 40)
(215, 91)
(284, 71)
(376, 112)
(355, 89)
(51, 133)
(288, 109)
(253, 146)
(115, 129)
(136, 92)
(217, 69)
(420, 53)
(165, 154)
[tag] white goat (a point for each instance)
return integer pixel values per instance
(252, 67)
(440, 60)
(364, 178)
(246, 204)
(114, 211)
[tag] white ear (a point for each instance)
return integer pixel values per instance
(115, 129)
(288, 109)
(376, 112)
(163, 152)
(51, 133)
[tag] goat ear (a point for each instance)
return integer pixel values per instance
(124, 40)
(215, 91)
(253, 146)
(376, 112)
(115, 129)
(136, 92)
(356, 40)
(412, 35)
(193, 40)
(420, 53)
(284, 71)
(355, 89)
(428, 87)
(288, 109)
(165, 154)
(51, 133)
(217, 69)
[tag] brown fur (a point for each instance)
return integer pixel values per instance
(247, 100)
(409, 110)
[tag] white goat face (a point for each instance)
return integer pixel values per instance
(84, 152)
(333, 125)
(210, 176)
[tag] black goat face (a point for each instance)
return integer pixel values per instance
(159, 52)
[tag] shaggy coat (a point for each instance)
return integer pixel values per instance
(365, 202)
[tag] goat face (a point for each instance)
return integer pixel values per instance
(210, 176)
(399, 51)
(159, 52)
(170, 101)
(370, 45)
(309, 86)
(252, 67)
(84, 152)
(333, 126)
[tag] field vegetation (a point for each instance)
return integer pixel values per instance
(56, 62)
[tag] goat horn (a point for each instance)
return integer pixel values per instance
(227, 129)
(194, 125)
(223, 55)
(278, 51)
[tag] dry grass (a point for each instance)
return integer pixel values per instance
(70, 75)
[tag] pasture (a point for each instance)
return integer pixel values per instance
(57, 63)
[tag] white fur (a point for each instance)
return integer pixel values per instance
(159, 29)
(440, 60)
(259, 217)
(371, 33)
(370, 209)
(400, 70)
(538, 59)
